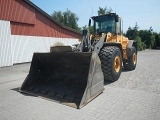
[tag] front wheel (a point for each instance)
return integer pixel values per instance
(111, 62)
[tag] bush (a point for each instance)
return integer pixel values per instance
(139, 43)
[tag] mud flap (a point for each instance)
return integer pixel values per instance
(73, 79)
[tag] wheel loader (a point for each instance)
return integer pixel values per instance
(75, 77)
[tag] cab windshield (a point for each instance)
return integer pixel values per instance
(104, 24)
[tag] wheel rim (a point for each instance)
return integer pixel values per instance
(134, 58)
(117, 63)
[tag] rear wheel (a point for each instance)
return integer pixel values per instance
(111, 62)
(131, 62)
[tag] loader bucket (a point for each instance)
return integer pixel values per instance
(70, 78)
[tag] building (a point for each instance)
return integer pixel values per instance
(25, 29)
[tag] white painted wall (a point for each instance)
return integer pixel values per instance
(5, 44)
(18, 49)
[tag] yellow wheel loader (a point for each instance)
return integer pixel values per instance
(116, 49)
(76, 77)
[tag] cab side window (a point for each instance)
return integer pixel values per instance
(119, 27)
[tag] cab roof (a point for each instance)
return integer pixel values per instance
(109, 14)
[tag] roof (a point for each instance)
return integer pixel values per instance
(49, 17)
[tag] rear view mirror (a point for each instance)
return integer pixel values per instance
(116, 18)
(89, 24)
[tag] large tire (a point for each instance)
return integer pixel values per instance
(111, 62)
(131, 62)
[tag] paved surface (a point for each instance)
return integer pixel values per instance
(135, 96)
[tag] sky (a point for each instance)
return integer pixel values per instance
(145, 12)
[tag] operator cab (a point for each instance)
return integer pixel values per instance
(107, 23)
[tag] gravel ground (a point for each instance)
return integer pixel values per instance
(146, 76)
(24, 67)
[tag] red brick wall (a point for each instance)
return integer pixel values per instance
(27, 20)
(17, 10)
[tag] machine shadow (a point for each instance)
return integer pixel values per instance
(110, 82)
(17, 90)
(123, 70)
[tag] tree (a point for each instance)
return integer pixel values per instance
(66, 18)
(130, 33)
(133, 34)
(145, 38)
(105, 10)
(58, 16)
(148, 37)
(157, 40)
